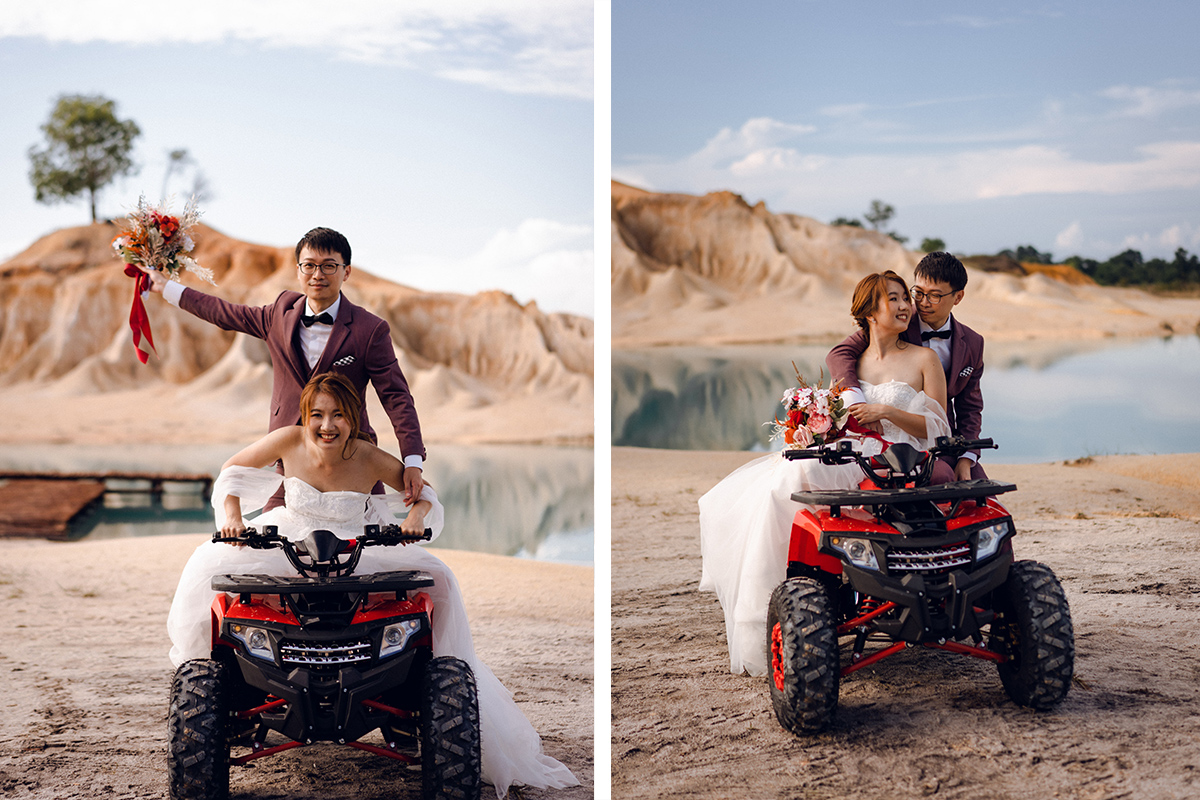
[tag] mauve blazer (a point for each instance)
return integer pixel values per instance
(360, 347)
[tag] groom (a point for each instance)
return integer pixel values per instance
(318, 330)
(939, 282)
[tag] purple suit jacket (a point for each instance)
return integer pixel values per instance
(962, 377)
(360, 347)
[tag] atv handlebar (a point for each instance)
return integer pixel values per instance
(373, 535)
(319, 553)
(904, 464)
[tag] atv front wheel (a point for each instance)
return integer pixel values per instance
(1037, 636)
(197, 748)
(451, 764)
(802, 656)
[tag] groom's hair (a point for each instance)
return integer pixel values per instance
(344, 395)
(867, 294)
(325, 240)
(942, 268)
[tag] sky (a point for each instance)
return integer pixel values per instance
(1073, 127)
(452, 143)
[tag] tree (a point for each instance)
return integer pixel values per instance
(844, 221)
(87, 147)
(879, 214)
(177, 161)
(929, 245)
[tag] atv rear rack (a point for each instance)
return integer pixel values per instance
(946, 492)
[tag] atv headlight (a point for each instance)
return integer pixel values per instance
(857, 551)
(256, 641)
(987, 540)
(396, 636)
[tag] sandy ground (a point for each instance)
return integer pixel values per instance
(86, 678)
(1121, 532)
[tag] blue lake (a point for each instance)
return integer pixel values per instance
(1043, 401)
(526, 501)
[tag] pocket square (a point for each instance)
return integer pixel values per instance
(966, 373)
(344, 362)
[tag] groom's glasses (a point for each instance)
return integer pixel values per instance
(327, 269)
(933, 297)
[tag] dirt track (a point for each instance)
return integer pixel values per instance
(86, 679)
(924, 723)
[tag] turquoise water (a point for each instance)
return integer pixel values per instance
(526, 501)
(1042, 401)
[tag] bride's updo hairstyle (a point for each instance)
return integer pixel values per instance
(868, 294)
(345, 397)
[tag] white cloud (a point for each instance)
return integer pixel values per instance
(755, 136)
(1151, 101)
(1070, 238)
(754, 160)
(542, 260)
(521, 46)
(1167, 240)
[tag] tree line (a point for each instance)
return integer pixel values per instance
(1128, 268)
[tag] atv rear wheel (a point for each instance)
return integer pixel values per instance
(451, 764)
(1037, 636)
(197, 748)
(803, 666)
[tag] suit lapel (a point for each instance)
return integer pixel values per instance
(341, 330)
(958, 358)
(291, 323)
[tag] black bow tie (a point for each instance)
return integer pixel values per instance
(927, 335)
(322, 318)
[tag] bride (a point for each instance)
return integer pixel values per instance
(746, 519)
(329, 469)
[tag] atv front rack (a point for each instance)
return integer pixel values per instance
(942, 493)
(398, 581)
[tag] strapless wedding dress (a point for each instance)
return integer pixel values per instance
(512, 749)
(746, 522)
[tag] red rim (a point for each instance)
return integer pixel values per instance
(777, 656)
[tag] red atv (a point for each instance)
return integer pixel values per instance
(901, 563)
(323, 656)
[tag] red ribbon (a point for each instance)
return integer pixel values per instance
(139, 322)
(854, 426)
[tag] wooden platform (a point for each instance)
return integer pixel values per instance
(44, 508)
(43, 505)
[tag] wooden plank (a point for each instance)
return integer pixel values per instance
(44, 508)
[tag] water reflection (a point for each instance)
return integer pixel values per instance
(1044, 401)
(528, 501)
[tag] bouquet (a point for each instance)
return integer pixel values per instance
(158, 241)
(155, 240)
(812, 414)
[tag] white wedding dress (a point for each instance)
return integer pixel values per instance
(746, 522)
(512, 749)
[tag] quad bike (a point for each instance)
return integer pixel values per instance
(323, 656)
(903, 563)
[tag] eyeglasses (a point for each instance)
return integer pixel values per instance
(932, 297)
(328, 269)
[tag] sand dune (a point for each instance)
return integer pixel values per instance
(478, 364)
(716, 270)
